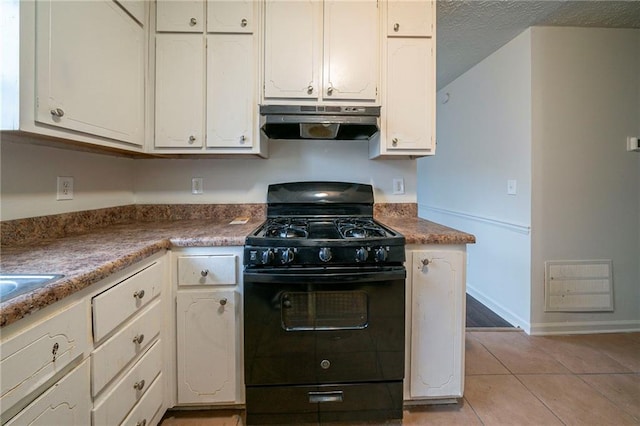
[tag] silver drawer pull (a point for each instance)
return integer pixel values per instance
(396, 27)
(243, 23)
(139, 385)
(425, 262)
(193, 21)
(57, 112)
(139, 294)
(138, 339)
(223, 301)
(317, 397)
(204, 272)
(142, 422)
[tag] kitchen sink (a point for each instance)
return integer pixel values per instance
(12, 285)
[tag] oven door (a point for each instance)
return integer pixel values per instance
(324, 325)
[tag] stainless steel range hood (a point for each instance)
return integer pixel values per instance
(319, 122)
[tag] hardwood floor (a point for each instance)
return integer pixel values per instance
(479, 315)
(517, 379)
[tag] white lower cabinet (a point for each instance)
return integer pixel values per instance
(67, 402)
(435, 322)
(207, 323)
(208, 326)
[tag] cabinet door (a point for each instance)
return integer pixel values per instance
(351, 50)
(180, 15)
(90, 69)
(410, 18)
(230, 16)
(67, 402)
(293, 49)
(410, 94)
(180, 95)
(437, 324)
(230, 90)
(206, 334)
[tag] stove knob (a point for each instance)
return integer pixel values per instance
(267, 256)
(381, 254)
(325, 254)
(287, 256)
(361, 254)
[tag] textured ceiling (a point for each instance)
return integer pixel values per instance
(471, 30)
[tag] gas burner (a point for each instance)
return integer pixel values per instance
(286, 228)
(359, 228)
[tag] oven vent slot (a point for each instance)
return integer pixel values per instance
(578, 286)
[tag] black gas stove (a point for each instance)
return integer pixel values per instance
(322, 223)
(324, 308)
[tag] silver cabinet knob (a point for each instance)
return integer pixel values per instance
(142, 422)
(193, 22)
(425, 262)
(396, 27)
(223, 301)
(192, 139)
(139, 385)
(57, 112)
(204, 272)
(329, 90)
(243, 23)
(138, 294)
(139, 338)
(243, 139)
(54, 351)
(394, 142)
(309, 89)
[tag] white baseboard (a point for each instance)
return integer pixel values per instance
(584, 327)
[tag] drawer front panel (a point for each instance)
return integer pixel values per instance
(35, 356)
(115, 305)
(148, 406)
(67, 402)
(111, 357)
(207, 270)
(117, 403)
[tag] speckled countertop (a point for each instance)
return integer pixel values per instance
(89, 257)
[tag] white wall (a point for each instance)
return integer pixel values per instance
(484, 139)
(245, 180)
(586, 198)
(29, 174)
(28, 180)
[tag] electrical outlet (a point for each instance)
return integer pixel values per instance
(65, 188)
(196, 185)
(398, 186)
(633, 143)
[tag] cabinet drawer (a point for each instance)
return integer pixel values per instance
(207, 270)
(110, 358)
(33, 357)
(147, 408)
(67, 402)
(115, 305)
(117, 403)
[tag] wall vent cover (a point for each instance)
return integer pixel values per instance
(578, 286)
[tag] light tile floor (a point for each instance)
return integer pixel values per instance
(516, 379)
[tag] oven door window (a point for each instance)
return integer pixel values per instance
(324, 310)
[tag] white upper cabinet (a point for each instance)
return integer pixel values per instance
(180, 15)
(321, 50)
(293, 49)
(230, 91)
(410, 18)
(90, 62)
(230, 16)
(410, 115)
(179, 118)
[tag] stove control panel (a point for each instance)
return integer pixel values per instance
(299, 256)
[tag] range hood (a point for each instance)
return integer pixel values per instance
(319, 122)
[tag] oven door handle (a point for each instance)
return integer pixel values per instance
(332, 396)
(323, 276)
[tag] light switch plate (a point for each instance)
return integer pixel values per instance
(197, 185)
(512, 187)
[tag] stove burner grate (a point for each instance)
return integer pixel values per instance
(287, 228)
(359, 228)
